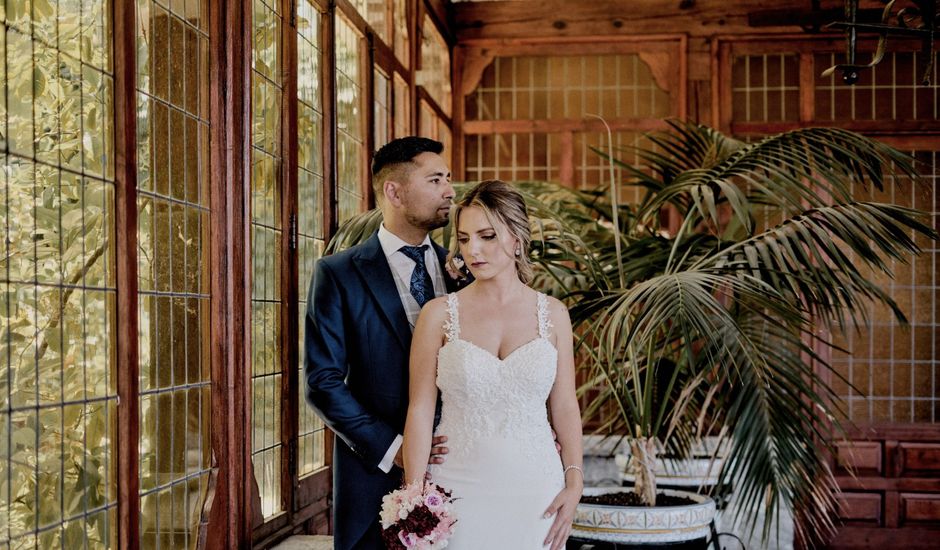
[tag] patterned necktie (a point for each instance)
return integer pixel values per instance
(421, 286)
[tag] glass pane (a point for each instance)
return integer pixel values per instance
(766, 88)
(382, 107)
(434, 75)
(428, 122)
(613, 86)
(402, 107)
(378, 18)
(445, 137)
(350, 132)
(310, 230)
(266, 232)
(400, 32)
(376, 13)
(890, 91)
(621, 86)
(893, 368)
(173, 261)
(58, 391)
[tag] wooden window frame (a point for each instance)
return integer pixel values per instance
(434, 12)
(902, 134)
(473, 59)
(226, 505)
(304, 502)
(226, 519)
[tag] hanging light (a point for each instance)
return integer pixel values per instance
(918, 21)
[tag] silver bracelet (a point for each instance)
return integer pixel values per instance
(573, 467)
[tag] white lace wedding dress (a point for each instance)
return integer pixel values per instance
(502, 464)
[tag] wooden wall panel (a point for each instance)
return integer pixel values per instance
(860, 456)
(918, 460)
(861, 508)
(920, 509)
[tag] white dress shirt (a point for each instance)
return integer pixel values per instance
(402, 266)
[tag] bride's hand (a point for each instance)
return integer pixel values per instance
(562, 508)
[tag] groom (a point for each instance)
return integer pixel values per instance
(361, 309)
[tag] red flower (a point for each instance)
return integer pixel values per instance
(420, 521)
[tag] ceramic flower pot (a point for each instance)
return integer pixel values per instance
(641, 524)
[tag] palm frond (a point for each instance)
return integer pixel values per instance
(807, 257)
(355, 230)
(806, 167)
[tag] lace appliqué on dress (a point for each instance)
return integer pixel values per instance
(452, 324)
(545, 324)
(486, 397)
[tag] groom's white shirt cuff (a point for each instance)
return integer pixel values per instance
(389, 459)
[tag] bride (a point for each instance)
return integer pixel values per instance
(501, 355)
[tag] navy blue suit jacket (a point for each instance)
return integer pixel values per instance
(357, 341)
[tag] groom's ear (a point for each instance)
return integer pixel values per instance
(392, 191)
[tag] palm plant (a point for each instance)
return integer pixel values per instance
(712, 325)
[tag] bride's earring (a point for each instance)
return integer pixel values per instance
(518, 252)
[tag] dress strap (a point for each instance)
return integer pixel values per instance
(452, 324)
(545, 324)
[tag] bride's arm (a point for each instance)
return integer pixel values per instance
(422, 390)
(566, 420)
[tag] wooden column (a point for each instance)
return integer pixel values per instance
(328, 89)
(230, 160)
(125, 147)
(288, 244)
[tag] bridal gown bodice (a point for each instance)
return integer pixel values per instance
(502, 463)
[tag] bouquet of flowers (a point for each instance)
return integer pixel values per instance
(419, 516)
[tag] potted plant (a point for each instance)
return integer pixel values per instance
(705, 316)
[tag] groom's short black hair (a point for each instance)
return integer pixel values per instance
(403, 150)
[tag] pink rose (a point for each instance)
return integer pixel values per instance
(433, 501)
(454, 268)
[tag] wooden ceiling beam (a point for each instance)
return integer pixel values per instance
(479, 23)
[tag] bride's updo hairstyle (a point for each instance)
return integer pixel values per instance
(505, 209)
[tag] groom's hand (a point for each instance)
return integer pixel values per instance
(557, 444)
(438, 450)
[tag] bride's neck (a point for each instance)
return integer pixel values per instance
(502, 289)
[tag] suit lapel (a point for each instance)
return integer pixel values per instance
(379, 281)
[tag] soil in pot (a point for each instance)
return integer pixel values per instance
(629, 498)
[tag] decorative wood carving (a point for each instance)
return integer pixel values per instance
(474, 62)
(662, 67)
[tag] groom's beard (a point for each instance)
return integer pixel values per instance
(430, 224)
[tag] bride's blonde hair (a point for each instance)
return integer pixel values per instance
(503, 204)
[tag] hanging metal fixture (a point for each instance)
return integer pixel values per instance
(918, 21)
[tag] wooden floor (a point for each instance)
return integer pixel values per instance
(306, 542)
